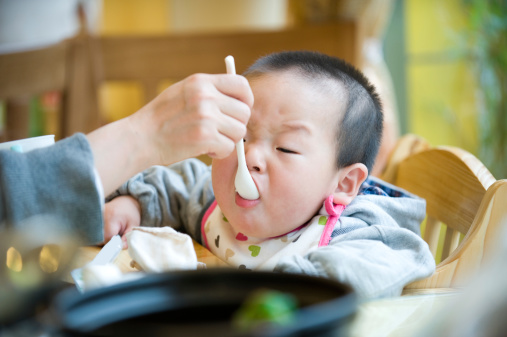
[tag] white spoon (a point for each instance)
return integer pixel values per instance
(244, 183)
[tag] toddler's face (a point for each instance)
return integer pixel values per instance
(291, 153)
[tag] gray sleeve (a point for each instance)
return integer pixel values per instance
(58, 180)
(173, 196)
(382, 253)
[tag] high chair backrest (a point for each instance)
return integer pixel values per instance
(465, 206)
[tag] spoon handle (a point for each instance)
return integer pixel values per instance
(229, 65)
(231, 69)
(244, 183)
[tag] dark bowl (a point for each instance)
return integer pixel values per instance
(202, 303)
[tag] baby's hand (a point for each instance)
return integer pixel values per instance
(121, 215)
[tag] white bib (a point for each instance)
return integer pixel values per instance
(244, 252)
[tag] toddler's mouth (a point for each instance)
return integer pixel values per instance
(245, 203)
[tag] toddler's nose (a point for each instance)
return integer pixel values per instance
(254, 158)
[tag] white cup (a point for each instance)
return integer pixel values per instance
(28, 144)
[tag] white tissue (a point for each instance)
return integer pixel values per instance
(100, 275)
(160, 249)
(103, 275)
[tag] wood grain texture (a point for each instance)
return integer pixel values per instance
(478, 246)
(452, 181)
(432, 233)
(24, 75)
(33, 72)
(462, 194)
(407, 145)
(136, 57)
(148, 59)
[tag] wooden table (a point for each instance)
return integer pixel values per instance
(406, 315)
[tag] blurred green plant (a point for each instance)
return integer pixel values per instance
(487, 40)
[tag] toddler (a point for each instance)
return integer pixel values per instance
(312, 137)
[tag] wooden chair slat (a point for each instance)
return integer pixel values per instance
(432, 233)
(461, 194)
(451, 242)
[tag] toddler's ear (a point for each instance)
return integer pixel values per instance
(350, 179)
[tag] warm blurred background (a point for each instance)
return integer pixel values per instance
(441, 66)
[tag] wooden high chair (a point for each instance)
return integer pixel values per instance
(25, 74)
(66, 67)
(462, 196)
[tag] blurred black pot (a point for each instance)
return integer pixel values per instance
(202, 303)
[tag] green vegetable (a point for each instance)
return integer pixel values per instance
(265, 306)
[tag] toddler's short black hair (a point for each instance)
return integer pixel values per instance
(360, 128)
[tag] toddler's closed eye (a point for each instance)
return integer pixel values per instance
(284, 150)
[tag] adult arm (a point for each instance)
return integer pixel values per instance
(203, 114)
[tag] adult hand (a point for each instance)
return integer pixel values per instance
(202, 114)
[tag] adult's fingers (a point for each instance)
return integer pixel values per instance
(221, 147)
(212, 109)
(234, 108)
(230, 93)
(235, 86)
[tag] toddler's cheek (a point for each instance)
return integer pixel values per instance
(224, 169)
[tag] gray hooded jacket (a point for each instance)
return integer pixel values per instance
(376, 246)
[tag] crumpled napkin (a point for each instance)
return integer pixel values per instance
(160, 249)
(103, 275)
